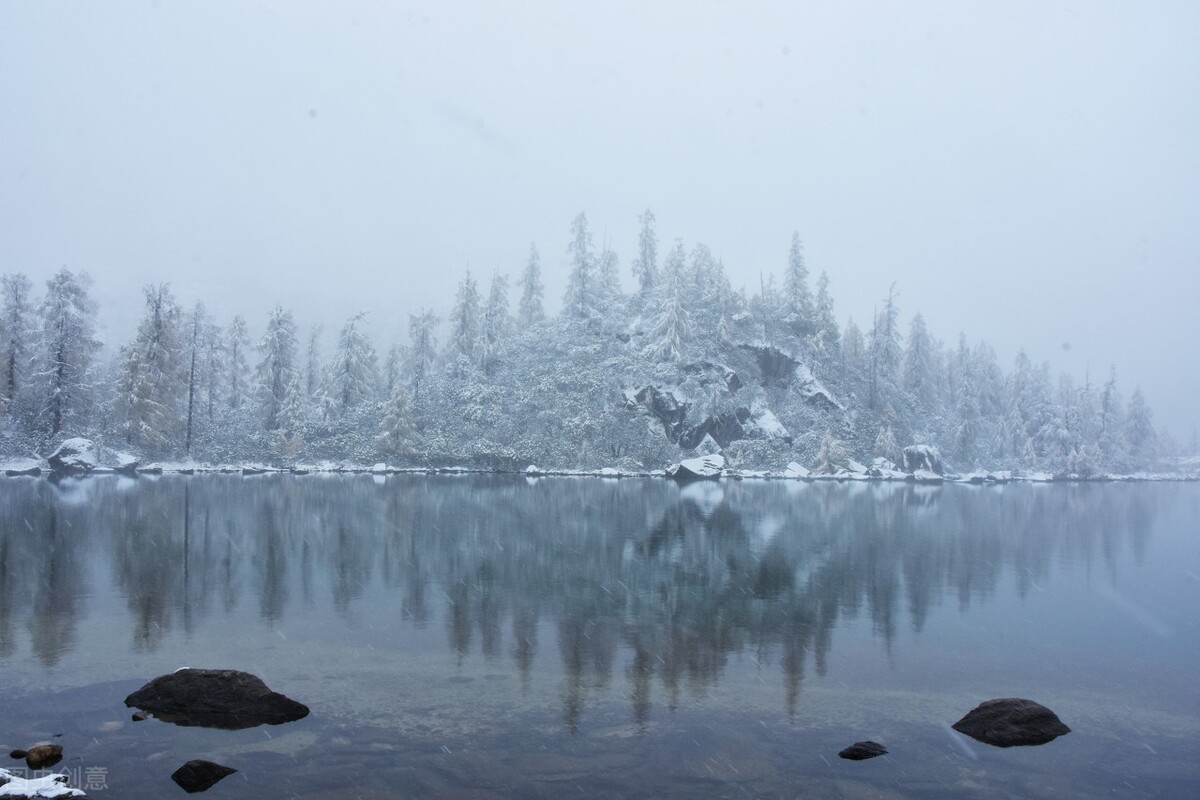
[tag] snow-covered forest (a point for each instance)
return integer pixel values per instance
(685, 363)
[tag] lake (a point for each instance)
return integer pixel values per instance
(495, 636)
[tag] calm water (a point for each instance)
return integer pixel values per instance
(495, 637)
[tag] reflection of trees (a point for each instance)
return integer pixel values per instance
(668, 583)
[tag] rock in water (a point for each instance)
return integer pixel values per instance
(73, 457)
(705, 467)
(41, 756)
(215, 698)
(17, 787)
(198, 775)
(861, 751)
(1011, 722)
(18, 753)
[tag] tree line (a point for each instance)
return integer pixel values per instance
(510, 386)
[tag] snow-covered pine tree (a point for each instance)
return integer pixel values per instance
(645, 266)
(608, 279)
(920, 373)
(1139, 430)
(291, 420)
(581, 299)
(393, 365)
(153, 382)
(312, 362)
(277, 368)
(397, 434)
(797, 299)
(422, 349)
(198, 325)
(66, 352)
(670, 328)
(237, 347)
(529, 309)
(16, 312)
(353, 375)
(887, 447)
(213, 371)
(465, 322)
(827, 339)
(496, 322)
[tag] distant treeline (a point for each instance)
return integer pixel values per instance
(490, 386)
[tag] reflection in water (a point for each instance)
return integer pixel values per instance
(681, 578)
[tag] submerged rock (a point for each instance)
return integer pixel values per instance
(1011, 722)
(215, 698)
(41, 756)
(861, 751)
(199, 775)
(73, 457)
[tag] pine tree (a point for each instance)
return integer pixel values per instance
(608, 279)
(422, 349)
(67, 349)
(645, 266)
(397, 434)
(277, 368)
(393, 365)
(199, 324)
(887, 447)
(17, 315)
(353, 377)
(920, 376)
(312, 362)
(237, 346)
(496, 321)
(670, 328)
(465, 322)
(213, 370)
(154, 380)
(291, 420)
(797, 300)
(580, 301)
(1139, 430)
(529, 309)
(828, 339)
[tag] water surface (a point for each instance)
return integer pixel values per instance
(474, 636)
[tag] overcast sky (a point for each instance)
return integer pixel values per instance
(1028, 173)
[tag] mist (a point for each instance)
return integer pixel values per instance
(1024, 173)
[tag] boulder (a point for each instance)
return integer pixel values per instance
(42, 756)
(1011, 722)
(923, 456)
(861, 751)
(126, 464)
(215, 698)
(73, 457)
(199, 775)
(702, 468)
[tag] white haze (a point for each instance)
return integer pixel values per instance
(1025, 172)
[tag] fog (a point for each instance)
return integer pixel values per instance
(1025, 172)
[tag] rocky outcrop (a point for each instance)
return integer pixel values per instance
(1011, 722)
(215, 698)
(923, 457)
(774, 365)
(861, 751)
(73, 457)
(199, 775)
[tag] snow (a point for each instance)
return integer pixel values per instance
(795, 470)
(609, 472)
(767, 422)
(48, 786)
(926, 476)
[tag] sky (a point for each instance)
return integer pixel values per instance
(1026, 172)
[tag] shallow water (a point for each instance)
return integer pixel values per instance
(488, 637)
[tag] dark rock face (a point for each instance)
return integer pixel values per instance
(774, 365)
(73, 457)
(215, 698)
(724, 428)
(923, 456)
(860, 751)
(1011, 722)
(666, 408)
(198, 775)
(42, 756)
